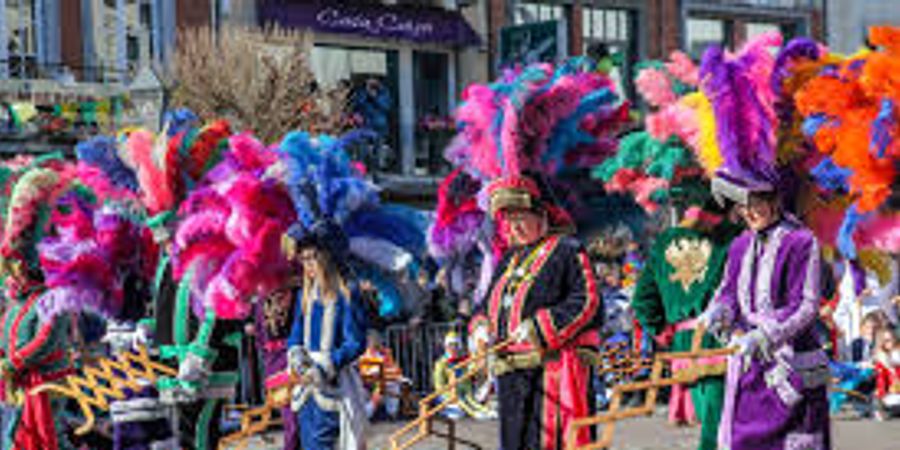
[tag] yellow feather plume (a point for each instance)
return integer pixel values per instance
(708, 154)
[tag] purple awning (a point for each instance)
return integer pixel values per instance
(433, 25)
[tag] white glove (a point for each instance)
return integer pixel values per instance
(713, 319)
(314, 376)
(750, 345)
(192, 368)
(119, 337)
(140, 337)
(298, 359)
(524, 333)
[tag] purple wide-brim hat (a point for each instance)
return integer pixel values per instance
(727, 185)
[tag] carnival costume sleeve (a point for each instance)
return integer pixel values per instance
(354, 333)
(564, 321)
(42, 343)
(647, 301)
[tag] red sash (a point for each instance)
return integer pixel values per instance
(565, 383)
(37, 429)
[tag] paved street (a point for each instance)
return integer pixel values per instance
(645, 434)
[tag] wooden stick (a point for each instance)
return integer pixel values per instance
(426, 413)
(691, 374)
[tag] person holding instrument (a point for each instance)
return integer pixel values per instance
(545, 301)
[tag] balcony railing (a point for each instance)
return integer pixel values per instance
(26, 68)
(773, 4)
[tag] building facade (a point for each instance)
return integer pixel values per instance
(68, 68)
(90, 41)
(638, 29)
(849, 20)
(404, 64)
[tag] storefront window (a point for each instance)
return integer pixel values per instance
(20, 39)
(434, 126)
(612, 31)
(787, 30)
(370, 78)
(531, 12)
(118, 56)
(701, 33)
(756, 29)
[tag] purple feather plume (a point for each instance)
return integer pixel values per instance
(796, 50)
(744, 129)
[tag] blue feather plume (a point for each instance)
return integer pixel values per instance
(101, 152)
(179, 120)
(392, 223)
(326, 188)
(813, 123)
(831, 177)
(567, 134)
(845, 242)
(882, 126)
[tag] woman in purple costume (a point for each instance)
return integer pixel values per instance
(775, 395)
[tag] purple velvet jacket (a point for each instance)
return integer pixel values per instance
(771, 282)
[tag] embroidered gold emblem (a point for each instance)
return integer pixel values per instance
(276, 310)
(689, 258)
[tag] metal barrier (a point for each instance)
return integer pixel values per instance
(416, 348)
(431, 406)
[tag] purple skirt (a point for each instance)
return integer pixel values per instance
(791, 415)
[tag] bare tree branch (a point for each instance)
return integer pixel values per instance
(257, 78)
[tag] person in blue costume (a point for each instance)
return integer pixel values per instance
(327, 336)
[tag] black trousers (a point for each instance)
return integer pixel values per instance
(521, 394)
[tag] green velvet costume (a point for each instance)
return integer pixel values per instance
(678, 281)
(34, 351)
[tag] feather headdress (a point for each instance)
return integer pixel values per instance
(27, 215)
(340, 211)
(850, 115)
(539, 123)
(539, 119)
(102, 153)
(156, 164)
(524, 139)
(95, 261)
(648, 163)
(228, 238)
(169, 165)
(740, 92)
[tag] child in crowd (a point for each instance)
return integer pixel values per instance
(887, 375)
(855, 374)
(383, 378)
(618, 321)
(861, 348)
